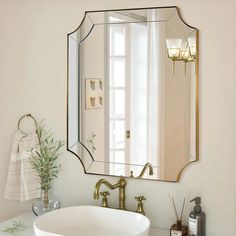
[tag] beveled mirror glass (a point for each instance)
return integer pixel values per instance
(132, 93)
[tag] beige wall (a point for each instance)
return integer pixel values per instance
(33, 79)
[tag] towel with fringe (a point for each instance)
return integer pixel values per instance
(22, 180)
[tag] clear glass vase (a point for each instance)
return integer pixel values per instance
(44, 204)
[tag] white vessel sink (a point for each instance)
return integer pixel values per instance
(91, 221)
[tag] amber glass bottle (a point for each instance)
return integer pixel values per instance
(178, 229)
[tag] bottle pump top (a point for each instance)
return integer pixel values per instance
(197, 208)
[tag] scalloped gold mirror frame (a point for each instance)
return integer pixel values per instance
(79, 76)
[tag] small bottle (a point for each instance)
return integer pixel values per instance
(178, 229)
(197, 220)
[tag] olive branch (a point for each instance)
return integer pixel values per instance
(91, 143)
(16, 226)
(45, 156)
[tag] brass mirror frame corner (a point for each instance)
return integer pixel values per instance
(178, 178)
(197, 96)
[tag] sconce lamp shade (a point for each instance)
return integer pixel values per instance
(185, 54)
(192, 46)
(174, 47)
(185, 51)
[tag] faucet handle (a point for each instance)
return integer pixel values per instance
(140, 208)
(140, 198)
(104, 195)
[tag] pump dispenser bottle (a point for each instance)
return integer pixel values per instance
(197, 220)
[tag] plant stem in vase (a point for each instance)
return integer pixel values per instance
(44, 204)
(44, 160)
(45, 198)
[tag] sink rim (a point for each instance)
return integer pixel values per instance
(39, 223)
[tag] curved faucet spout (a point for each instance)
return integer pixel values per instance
(98, 185)
(146, 166)
(120, 184)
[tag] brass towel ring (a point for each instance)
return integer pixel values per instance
(24, 116)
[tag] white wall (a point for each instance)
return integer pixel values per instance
(33, 79)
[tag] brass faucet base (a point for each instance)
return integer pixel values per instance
(121, 184)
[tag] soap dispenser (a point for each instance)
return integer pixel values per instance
(197, 220)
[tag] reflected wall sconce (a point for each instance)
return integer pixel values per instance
(181, 50)
(192, 46)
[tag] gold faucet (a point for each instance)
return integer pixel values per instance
(147, 165)
(121, 184)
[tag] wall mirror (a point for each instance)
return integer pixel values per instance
(132, 93)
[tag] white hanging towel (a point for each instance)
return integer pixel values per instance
(22, 180)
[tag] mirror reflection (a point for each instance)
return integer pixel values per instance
(132, 93)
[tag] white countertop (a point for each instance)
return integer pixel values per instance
(28, 219)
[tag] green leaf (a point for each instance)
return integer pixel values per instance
(44, 157)
(15, 227)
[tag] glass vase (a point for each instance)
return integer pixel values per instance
(44, 204)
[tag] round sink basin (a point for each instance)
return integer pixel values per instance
(91, 221)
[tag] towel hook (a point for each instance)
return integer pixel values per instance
(24, 116)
